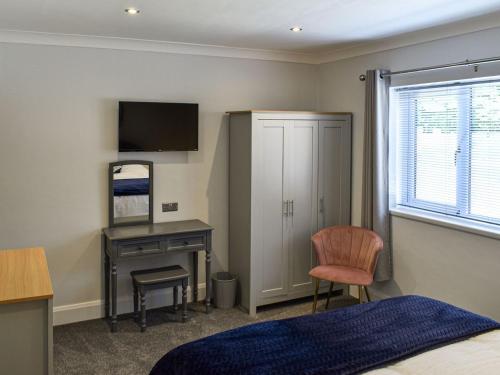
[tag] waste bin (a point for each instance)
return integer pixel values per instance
(224, 289)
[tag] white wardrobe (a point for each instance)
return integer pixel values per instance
(289, 176)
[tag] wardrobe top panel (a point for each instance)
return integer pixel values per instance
(298, 112)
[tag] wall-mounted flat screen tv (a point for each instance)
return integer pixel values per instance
(147, 126)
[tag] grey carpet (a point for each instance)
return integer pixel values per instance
(90, 348)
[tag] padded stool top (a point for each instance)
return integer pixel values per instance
(159, 275)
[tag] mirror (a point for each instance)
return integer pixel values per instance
(130, 193)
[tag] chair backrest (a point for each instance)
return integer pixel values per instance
(348, 246)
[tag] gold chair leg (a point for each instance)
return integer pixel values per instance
(329, 295)
(315, 303)
(367, 295)
(360, 293)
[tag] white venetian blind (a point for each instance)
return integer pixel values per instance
(446, 145)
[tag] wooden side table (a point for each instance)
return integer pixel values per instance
(25, 312)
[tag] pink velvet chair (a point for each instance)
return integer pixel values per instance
(345, 255)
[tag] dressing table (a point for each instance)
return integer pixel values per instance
(132, 233)
(160, 239)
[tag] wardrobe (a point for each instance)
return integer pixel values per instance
(289, 176)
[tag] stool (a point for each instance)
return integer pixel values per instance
(165, 277)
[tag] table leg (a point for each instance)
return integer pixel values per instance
(175, 290)
(136, 303)
(113, 296)
(195, 276)
(184, 300)
(106, 285)
(142, 293)
(208, 282)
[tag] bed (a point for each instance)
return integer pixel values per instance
(402, 335)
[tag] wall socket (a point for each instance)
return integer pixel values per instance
(167, 207)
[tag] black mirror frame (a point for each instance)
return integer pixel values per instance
(111, 207)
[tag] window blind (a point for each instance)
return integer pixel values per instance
(446, 146)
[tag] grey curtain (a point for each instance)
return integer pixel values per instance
(375, 204)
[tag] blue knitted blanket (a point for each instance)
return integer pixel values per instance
(344, 341)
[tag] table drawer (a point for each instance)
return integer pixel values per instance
(186, 243)
(128, 249)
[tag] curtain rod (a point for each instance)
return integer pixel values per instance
(467, 62)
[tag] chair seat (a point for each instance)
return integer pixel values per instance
(342, 274)
(159, 275)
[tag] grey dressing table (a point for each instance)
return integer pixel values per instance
(160, 239)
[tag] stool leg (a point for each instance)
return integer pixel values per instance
(143, 310)
(136, 304)
(175, 298)
(184, 300)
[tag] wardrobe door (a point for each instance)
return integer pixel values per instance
(334, 190)
(303, 208)
(273, 260)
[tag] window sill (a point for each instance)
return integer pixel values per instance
(486, 230)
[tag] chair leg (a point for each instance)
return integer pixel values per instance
(329, 295)
(315, 302)
(143, 310)
(367, 295)
(175, 298)
(360, 294)
(184, 300)
(136, 304)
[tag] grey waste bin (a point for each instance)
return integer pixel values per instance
(224, 289)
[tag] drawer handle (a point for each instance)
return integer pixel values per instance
(126, 253)
(152, 251)
(140, 248)
(185, 243)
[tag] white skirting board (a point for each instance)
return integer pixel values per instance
(79, 312)
(89, 310)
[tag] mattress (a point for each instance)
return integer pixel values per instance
(479, 355)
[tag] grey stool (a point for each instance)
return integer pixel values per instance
(165, 277)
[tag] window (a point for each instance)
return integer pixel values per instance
(445, 148)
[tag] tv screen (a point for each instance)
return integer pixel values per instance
(145, 126)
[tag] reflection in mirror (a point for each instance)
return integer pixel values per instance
(131, 193)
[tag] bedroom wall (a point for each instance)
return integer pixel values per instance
(443, 263)
(58, 119)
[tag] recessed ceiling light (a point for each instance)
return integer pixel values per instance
(132, 11)
(296, 29)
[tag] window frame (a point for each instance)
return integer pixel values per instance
(407, 181)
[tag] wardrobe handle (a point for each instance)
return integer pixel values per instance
(285, 207)
(291, 208)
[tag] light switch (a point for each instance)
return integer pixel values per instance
(167, 207)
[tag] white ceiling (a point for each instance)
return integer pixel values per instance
(257, 24)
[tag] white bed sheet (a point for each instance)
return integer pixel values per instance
(479, 355)
(129, 171)
(131, 205)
